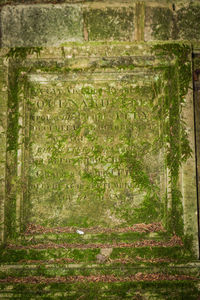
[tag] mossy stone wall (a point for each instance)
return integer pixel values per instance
(52, 24)
(140, 144)
(42, 24)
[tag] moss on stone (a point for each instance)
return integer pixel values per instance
(175, 135)
(42, 25)
(92, 238)
(188, 22)
(121, 290)
(161, 23)
(171, 81)
(110, 23)
(12, 146)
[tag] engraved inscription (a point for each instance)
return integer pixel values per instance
(80, 136)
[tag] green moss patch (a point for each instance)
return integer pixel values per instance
(110, 23)
(187, 22)
(161, 20)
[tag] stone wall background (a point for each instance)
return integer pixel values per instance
(29, 23)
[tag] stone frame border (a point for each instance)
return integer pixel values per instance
(188, 191)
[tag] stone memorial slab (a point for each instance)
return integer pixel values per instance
(103, 137)
(81, 134)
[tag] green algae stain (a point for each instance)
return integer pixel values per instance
(117, 23)
(20, 53)
(12, 145)
(174, 132)
(162, 23)
(100, 123)
(187, 22)
(13, 185)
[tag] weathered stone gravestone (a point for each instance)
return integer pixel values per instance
(96, 137)
(93, 152)
(99, 138)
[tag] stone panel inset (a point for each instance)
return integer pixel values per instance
(159, 23)
(81, 133)
(110, 23)
(38, 25)
(188, 22)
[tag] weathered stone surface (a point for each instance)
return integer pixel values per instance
(196, 78)
(139, 21)
(79, 128)
(3, 129)
(188, 177)
(45, 150)
(155, 2)
(188, 22)
(110, 23)
(88, 136)
(99, 290)
(36, 25)
(158, 23)
(54, 24)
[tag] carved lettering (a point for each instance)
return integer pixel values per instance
(75, 132)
